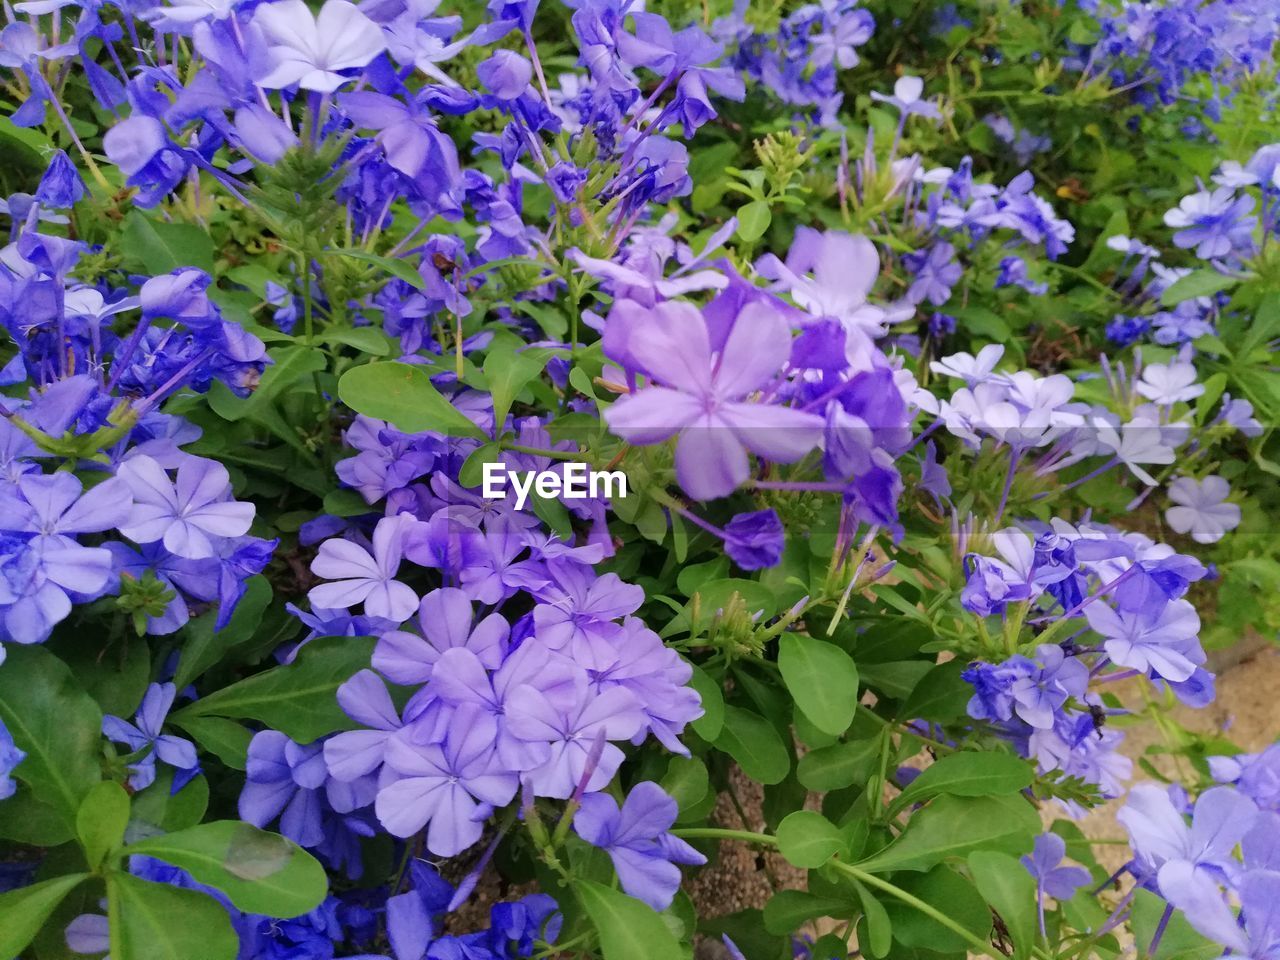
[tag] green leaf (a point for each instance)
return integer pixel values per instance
(968, 774)
(822, 680)
(298, 699)
(56, 724)
(156, 921)
(839, 765)
(204, 648)
(709, 725)
(157, 247)
(628, 929)
(1010, 890)
(260, 872)
(225, 739)
(24, 911)
(807, 839)
(160, 808)
(101, 821)
(1198, 283)
(955, 827)
(290, 365)
(876, 920)
(950, 894)
(753, 220)
(400, 269)
(508, 370)
(940, 695)
(752, 741)
(403, 395)
(1180, 941)
(368, 340)
(686, 781)
(788, 910)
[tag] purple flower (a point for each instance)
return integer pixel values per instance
(638, 841)
(290, 781)
(409, 137)
(145, 734)
(830, 275)
(1201, 508)
(577, 608)
(10, 757)
(1162, 641)
(505, 74)
(702, 399)
(184, 514)
(53, 509)
(755, 540)
(1059, 882)
(936, 272)
(61, 186)
(39, 578)
(311, 50)
(353, 754)
(363, 577)
(449, 787)
(571, 721)
(447, 622)
(1159, 834)
(1214, 223)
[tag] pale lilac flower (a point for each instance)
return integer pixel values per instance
(1043, 863)
(1159, 834)
(1214, 223)
(311, 50)
(1202, 510)
(1165, 384)
(1139, 441)
(446, 620)
(363, 577)
(972, 370)
(184, 514)
(906, 97)
(830, 275)
(703, 394)
(145, 733)
(448, 787)
(1163, 642)
(638, 840)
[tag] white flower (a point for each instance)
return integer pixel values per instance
(972, 370)
(309, 50)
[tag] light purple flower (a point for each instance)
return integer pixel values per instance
(449, 787)
(447, 622)
(52, 507)
(1201, 508)
(1059, 882)
(356, 753)
(638, 841)
(1214, 223)
(10, 757)
(146, 734)
(38, 580)
(702, 399)
(571, 727)
(184, 514)
(363, 577)
(1159, 834)
(906, 97)
(1163, 642)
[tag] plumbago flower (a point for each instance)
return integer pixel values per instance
(404, 250)
(702, 381)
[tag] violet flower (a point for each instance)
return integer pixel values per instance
(185, 513)
(703, 399)
(637, 839)
(363, 577)
(145, 733)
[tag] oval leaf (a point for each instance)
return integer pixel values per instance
(822, 679)
(155, 921)
(403, 395)
(751, 740)
(260, 872)
(628, 929)
(24, 911)
(808, 839)
(969, 774)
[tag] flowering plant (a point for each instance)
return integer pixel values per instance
(466, 471)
